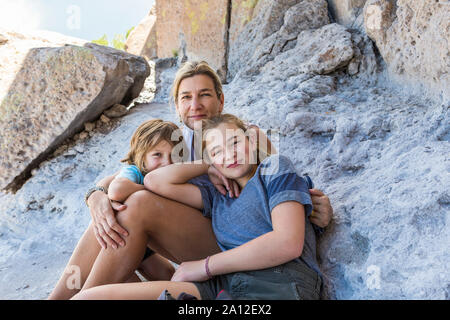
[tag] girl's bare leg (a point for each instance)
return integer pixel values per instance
(176, 231)
(137, 291)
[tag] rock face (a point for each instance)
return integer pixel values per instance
(142, 39)
(53, 94)
(318, 51)
(349, 13)
(273, 29)
(381, 155)
(413, 38)
(199, 26)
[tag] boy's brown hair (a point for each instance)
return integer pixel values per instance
(147, 136)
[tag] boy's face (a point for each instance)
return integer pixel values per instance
(230, 150)
(158, 156)
(197, 100)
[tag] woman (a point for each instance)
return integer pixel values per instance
(268, 246)
(172, 229)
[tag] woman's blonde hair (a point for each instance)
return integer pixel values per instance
(193, 68)
(215, 121)
(146, 137)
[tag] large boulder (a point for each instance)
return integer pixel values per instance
(413, 37)
(320, 51)
(199, 27)
(348, 12)
(273, 29)
(142, 39)
(52, 94)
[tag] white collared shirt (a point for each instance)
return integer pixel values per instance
(188, 135)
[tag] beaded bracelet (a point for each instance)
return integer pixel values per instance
(208, 273)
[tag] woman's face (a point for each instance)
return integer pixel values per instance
(230, 150)
(158, 156)
(197, 100)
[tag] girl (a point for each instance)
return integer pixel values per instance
(268, 245)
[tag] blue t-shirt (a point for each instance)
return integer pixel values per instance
(236, 221)
(131, 172)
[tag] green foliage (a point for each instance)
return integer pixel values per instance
(128, 32)
(175, 53)
(249, 4)
(117, 42)
(103, 41)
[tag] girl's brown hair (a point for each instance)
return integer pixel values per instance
(214, 122)
(147, 136)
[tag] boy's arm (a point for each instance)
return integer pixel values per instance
(95, 197)
(274, 248)
(121, 188)
(172, 182)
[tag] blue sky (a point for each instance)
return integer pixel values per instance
(86, 19)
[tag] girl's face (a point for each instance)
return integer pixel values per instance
(231, 151)
(158, 156)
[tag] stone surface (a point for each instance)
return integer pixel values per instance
(142, 39)
(116, 111)
(201, 26)
(242, 12)
(165, 70)
(3, 39)
(348, 12)
(413, 38)
(318, 51)
(381, 155)
(55, 91)
(274, 28)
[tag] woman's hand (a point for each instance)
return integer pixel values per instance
(223, 184)
(323, 212)
(106, 228)
(191, 271)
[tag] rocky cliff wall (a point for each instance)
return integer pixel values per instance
(242, 35)
(413, 38)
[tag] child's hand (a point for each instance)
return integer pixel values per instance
(191, 271)
(223, 184)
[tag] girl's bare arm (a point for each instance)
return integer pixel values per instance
(171, 182)
(274, 248)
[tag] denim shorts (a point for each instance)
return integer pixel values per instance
(293, 280)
